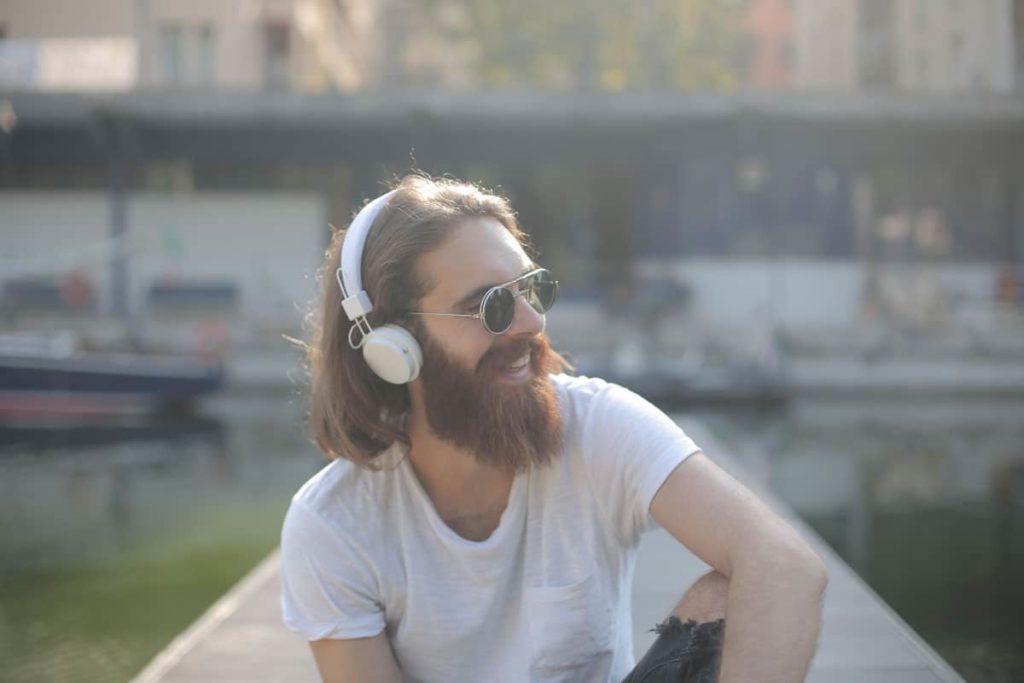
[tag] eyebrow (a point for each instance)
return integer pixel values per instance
(480, 291)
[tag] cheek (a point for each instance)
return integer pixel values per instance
(464, 341)
(475, 346)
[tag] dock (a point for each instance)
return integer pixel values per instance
(241, 637)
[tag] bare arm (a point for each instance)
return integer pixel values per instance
(776, 581)
(359, 660)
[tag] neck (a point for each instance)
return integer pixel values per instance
(458, 484)
(443, 466)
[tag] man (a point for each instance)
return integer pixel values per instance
(481, 516)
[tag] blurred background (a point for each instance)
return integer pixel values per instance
(799, 220)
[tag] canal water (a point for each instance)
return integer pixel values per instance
(114, 540)
(924, 499)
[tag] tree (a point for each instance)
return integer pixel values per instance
(604, 44)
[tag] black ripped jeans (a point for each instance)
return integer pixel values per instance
(682, 653)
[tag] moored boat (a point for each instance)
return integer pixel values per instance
(46, 375)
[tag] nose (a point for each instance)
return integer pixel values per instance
(527, 322)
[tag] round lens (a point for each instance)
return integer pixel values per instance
(543, 290)
(499, 307)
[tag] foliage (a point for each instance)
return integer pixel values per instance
(604, 44)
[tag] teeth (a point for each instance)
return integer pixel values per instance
(521, 363)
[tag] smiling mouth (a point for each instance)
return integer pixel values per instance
(519, 365)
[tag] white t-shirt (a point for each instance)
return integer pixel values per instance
(545, 598)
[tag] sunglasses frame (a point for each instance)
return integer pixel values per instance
(516, 293)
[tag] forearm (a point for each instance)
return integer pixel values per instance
(773, 617)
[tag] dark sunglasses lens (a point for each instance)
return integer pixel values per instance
(543, 290)
(499, 308)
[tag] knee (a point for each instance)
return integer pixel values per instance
(705, 600)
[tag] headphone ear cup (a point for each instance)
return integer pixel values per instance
(393, 354)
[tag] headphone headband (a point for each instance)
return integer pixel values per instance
(357, 302)
(392, 353)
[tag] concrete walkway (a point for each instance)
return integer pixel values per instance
(241, 637)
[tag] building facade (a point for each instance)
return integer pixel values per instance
(803, 198)
(953, 45)
(301, 45)
(908, 45)
(826, 44)
(308, 46)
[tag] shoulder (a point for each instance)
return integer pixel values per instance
(343, 498)
(606, 417)
(338, 481)
(582, 396)
(625, 447)
(578, 384)
(332, 549)
(579, 391)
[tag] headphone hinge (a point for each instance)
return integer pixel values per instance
(357, 306)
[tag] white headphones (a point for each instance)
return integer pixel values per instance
(391, 351)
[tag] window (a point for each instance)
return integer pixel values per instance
(207, 56)
(876, 48)
(171, 55)
(187, 55)
(276, 55)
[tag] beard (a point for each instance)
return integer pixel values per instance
(508, 426)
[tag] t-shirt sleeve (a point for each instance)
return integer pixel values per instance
(630, 447)
(328, 589)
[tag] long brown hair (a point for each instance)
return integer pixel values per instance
(353, 413)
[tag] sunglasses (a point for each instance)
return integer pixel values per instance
(498, 307)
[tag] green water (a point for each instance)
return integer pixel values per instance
(111, 549)
(925, 500)
(104, 621)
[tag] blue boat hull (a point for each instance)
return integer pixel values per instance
(103, 384)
